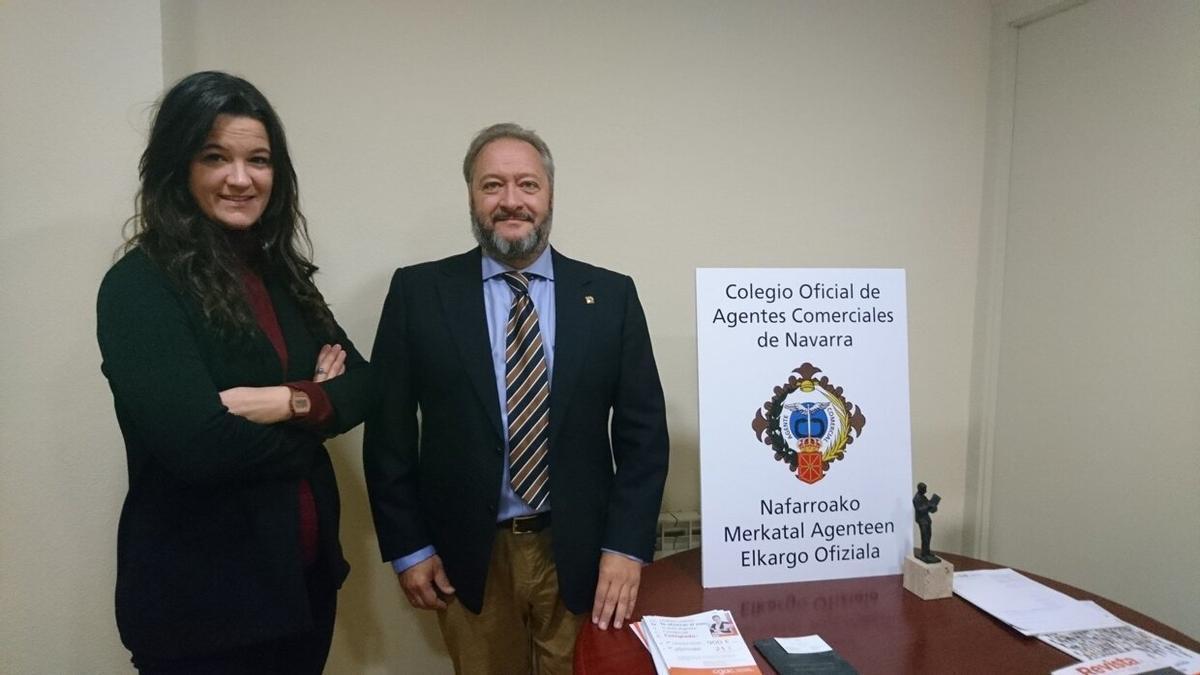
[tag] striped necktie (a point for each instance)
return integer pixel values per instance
(528, 390)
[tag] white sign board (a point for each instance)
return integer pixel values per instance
(805, 450)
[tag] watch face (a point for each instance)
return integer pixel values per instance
(299, 402)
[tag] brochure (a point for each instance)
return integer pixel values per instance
(708, 643)
(1100, 643)
(1135, 662)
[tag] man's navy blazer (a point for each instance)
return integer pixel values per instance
(434, 477)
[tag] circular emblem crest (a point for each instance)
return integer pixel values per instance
(808, 423)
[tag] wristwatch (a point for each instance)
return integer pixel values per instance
(300, 404)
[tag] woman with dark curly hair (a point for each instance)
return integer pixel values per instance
(227, 371)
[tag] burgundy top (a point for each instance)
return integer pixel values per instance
(320, 413)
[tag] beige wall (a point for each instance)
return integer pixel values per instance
(686, 134)
(75, 81)
(1096, 464)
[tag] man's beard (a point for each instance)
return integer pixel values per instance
(512, 251)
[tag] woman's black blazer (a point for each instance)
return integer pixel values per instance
(208, 553)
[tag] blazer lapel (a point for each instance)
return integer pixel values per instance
(461, 292)
(572, 334)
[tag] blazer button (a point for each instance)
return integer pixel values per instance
(499, 449)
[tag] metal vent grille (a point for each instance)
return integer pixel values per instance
(677, 531)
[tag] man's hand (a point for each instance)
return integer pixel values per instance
(426, 584)
(616, 590)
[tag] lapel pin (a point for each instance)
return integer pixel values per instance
(589, 299)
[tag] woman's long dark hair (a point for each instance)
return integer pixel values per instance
(194, 251)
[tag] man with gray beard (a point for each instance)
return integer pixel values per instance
(517, 456)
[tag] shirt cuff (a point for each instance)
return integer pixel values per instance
(624, 555)
(320, 412)
(421, 555)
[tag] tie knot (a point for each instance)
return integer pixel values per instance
(518, 282)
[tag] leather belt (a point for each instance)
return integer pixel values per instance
(526, 524)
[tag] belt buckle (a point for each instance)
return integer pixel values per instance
(519, 524)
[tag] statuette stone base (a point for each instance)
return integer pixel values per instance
(928, 581)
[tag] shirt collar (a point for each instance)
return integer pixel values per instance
(542, 267)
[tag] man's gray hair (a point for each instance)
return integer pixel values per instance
(508, 130)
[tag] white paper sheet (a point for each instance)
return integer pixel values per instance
(1075, 615)
(1028, 606)
(808, 644)
(1005, 590)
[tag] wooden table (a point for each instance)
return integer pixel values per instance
(872, 622)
